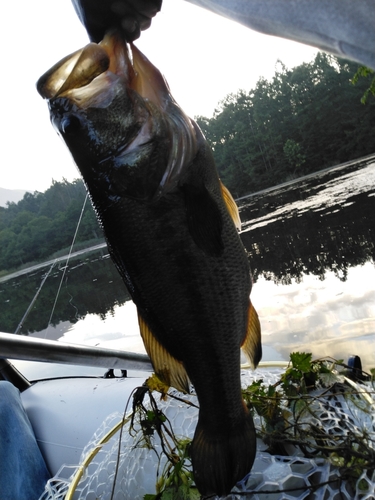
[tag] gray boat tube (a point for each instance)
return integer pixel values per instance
(51, 351)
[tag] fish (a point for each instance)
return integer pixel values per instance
(172, 231)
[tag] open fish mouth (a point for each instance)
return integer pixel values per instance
(110, 58)
(91, 78)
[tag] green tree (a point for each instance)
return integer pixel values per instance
(364, 72)
(43, 223)
(294, 156)
(303, 120)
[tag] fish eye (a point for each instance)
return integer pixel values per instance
(70, 124)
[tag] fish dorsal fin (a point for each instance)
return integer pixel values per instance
(231, 206)
(171, 371)
(252, 345)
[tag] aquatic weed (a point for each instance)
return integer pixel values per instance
(175, 482)
(312, 407)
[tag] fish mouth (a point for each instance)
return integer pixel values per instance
(112, 56)
(88, 78)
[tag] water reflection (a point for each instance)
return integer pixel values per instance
(324, 223)
(328, 318)
(91, 285)
(311, 248)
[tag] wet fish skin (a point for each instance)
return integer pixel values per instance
(173, 240)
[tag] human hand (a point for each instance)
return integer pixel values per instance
(129, 16)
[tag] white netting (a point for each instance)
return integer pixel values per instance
(131, 472)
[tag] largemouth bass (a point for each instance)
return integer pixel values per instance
(171, 230)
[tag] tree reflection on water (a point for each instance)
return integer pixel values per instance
(300, 230)
(91, 285)
(305, 242)
(315, 240)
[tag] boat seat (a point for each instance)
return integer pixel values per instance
(65, 413)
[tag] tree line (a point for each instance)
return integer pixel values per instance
(305, 119)
(43, 223)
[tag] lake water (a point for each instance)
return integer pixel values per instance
(311, 249)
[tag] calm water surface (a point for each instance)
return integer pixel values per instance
(311, 248)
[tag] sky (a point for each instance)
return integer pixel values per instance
(203, 56)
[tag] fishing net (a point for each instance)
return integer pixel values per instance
(333, 432)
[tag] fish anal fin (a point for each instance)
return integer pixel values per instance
(204, 219)
(231, 206)
(171, 371)
(252, 345)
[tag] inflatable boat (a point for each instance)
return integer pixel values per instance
(79, 401)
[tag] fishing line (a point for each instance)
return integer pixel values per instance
(66, 264)
(20, 325)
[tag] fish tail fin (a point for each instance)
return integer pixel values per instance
(220, 460)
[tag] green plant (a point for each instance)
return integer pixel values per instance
(175, 482)
(296, 411)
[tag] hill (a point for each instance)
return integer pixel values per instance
(14, 195)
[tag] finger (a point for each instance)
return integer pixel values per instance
(129, 16)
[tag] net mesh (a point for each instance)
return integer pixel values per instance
(122, 469)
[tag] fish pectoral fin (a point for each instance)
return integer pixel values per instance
(231, 206)
(252, 345)
(171, 371)
(204, 219)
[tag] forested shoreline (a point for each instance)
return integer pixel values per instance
(304, 120)
(43, 223)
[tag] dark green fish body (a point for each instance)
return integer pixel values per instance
(169, 226)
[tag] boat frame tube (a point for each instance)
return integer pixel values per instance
(51, 351)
